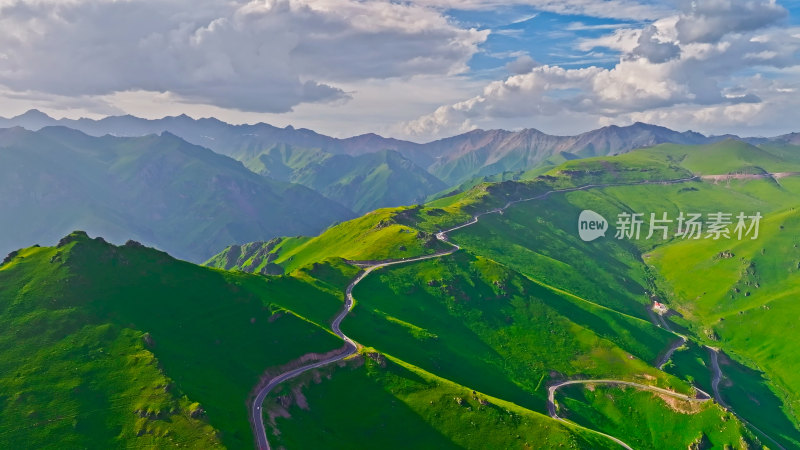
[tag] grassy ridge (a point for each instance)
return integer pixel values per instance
(378, 235)
(399, 405)
(540, 239)
(729, 156)
(482, 325)
(675, 161)
(125, 346)
(650, 421)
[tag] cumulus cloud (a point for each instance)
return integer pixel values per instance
(653, 48)
(262, 56)
(523, 64)
(709, 20)
(663, 69)
(622, 40)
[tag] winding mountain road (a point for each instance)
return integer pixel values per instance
(552, 410)
(256, 416)
(351, 346)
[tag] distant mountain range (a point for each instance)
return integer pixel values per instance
(452, 160)
(158, 189)
(157, 181)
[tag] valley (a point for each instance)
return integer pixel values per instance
(352, 347)
(479, 319)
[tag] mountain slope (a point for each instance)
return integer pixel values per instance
(362, 183)
(470, 320)
(369, 181)
(377, 235)
(482, 153)
(399, 405)
(740, 296)
(739, 303)
(106, 346)
(157, 189)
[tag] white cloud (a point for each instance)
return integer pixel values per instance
(523, 64)
(661, 72)
(262, 56)
(655, 48)
(622, 40)
(525, 18)
(709, 20)
(612, 9)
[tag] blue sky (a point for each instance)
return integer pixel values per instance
(546, 37)
(550, 38)
(730, 69)
(412, 69)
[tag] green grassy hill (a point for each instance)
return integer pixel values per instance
(741, 303)
(106, 346)
(475, 322)
(378, 235)
(666, 160)
(489, 329)
(653, 421)
(728, 157)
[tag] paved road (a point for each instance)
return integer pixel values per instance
(552, 410)
(256, 416)
(351, 346)
(675, 345)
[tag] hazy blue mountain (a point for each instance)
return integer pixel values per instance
(362, 182)
(482, 153)
(219, 136)
(454, 160)
(160, 190)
